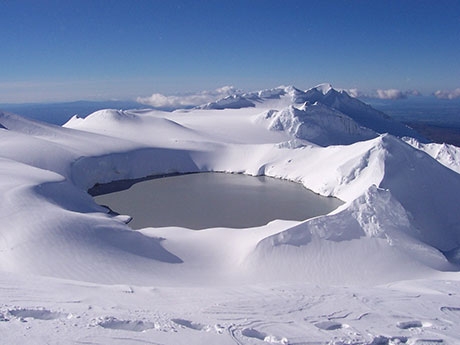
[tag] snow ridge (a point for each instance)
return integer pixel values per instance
(373, 215)
(229, 102)
(317, 124)
(363, 114)
(445, 154)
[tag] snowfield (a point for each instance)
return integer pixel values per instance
(381, 269)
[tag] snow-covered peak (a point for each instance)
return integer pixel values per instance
(360, 112)
(316, 123)
(112, 115)
(73, 121)
(446, 154)
(281, 97)
(106, 118)
(274, 93)
(25, 125)
(324, 88)
(230, 102)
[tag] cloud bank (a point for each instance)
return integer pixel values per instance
(158, 100)
(355, 93)
(171, 102)
(444, 94)
(391, 94)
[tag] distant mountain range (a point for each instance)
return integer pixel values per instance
(437, 120)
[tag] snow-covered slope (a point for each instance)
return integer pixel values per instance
(446, 154)
(399, 222)
(229, 102)
(317, 124)
(363, 114)
(135, 144)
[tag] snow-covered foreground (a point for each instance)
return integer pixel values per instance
(380, 269)
(37, 310)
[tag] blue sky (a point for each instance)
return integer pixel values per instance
(68, 50)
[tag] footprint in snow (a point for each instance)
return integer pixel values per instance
(409, 324)
(3, 317)
(39, 314)
(253, 333)
(190, 324)
(126, 325)
(330, 325)
(451, 311)
(382, 340)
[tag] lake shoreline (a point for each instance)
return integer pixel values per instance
(207, 200)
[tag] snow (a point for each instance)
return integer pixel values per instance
(445, 154)
(229, 102)
(318, 124)
(374, 271)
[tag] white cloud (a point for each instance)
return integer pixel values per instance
(355, 93)
(158, 100)
(226, 90)
(443, 94)
(391, 94)
(414, 93)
